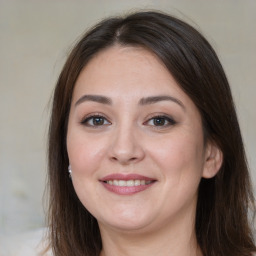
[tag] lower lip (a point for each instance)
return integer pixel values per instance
(126, 190)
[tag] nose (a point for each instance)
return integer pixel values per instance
(126, 147)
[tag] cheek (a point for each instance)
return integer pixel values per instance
(85, 156)
(180, 162)
(180, 158)
(85, 153)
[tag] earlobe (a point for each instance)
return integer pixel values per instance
(213, 160)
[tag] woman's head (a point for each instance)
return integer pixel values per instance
(129, 121)
(192, 65)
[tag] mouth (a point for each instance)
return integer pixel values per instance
(127, 184)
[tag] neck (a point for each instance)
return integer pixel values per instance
(170, 240)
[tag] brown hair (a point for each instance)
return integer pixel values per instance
(222, 226)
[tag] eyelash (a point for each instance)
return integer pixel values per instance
(93, 118)
(168, 121)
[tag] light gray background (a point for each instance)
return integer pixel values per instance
(35, 37)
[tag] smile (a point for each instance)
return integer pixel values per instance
(128, 183)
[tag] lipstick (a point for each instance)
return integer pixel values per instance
(126, 184)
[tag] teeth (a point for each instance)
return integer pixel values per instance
(128, 183)
(122, 183)
(137, 182)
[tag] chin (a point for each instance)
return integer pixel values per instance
(126, 226)
(128, 221)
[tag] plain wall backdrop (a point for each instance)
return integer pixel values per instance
(35, 37)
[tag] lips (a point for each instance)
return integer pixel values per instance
(127, 184)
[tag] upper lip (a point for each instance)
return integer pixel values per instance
(120, 176)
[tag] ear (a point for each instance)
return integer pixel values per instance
(213, 160)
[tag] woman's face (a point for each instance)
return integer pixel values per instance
(135, 142)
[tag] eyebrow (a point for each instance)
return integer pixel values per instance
(144, 101)
(155, 99)
(95, 98)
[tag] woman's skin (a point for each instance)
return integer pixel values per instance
(137, 153)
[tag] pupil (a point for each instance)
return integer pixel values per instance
(159, 121)
(98, 121)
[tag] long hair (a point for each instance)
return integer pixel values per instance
(222, 226)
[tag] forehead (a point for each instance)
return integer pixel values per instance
(126, 59)
(123, 69)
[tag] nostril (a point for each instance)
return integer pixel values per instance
(124, 159)
(125, 152)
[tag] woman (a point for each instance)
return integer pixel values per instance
(145, 151)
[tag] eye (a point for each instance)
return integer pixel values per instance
(160, 121)
(95, 120)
